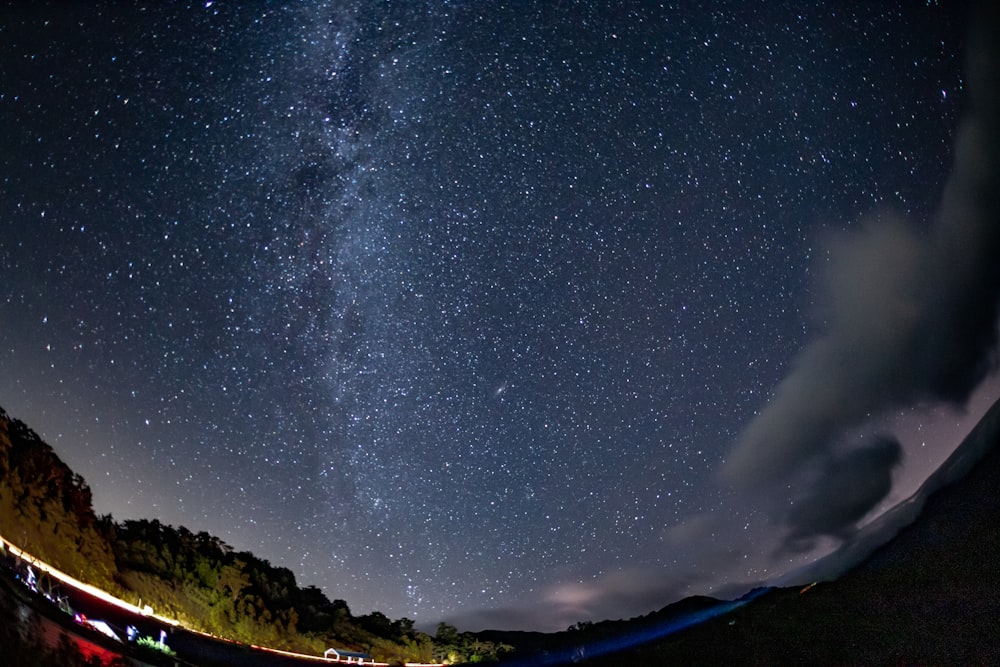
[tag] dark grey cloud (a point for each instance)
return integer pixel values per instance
(845, 490)
(910, 314)
(980, 441)
(861, 365)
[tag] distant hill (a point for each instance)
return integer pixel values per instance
(528, 642)
(930, 595)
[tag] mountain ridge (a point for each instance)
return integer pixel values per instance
(976, 446)
(929, 595)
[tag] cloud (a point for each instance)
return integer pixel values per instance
(845, 491)
(712, 557)
(696, 531)
(909, 315)
(623, 593)
(864, 361)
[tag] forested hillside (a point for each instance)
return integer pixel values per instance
(46, 508)
(196, 578)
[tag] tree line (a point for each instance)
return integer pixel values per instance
(196, 578)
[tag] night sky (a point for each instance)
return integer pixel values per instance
(512, 315)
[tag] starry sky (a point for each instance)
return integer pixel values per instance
(507, 314)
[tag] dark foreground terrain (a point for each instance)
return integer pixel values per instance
(929, 596)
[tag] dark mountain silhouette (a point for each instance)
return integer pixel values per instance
(929, 595)
(529, 642)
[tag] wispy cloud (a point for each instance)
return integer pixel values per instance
(910, 315)
(619, 594)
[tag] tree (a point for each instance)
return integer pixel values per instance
(403, 627)
(446, 634)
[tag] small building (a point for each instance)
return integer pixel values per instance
(348, 657)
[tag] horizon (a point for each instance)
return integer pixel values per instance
(534, 316)
(830, 567)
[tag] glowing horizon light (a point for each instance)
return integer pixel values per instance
(657, 631)
(147, 610)
(85, 587)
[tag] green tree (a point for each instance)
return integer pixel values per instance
(446, 634)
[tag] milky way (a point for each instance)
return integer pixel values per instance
(446, 308)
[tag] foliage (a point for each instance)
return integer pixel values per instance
(207, 585)
(195, 578)
(452, 646)
(46, 508)
(150, 643)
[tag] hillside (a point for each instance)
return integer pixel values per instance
(46, 507)
(196, 578)
(931, 595)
